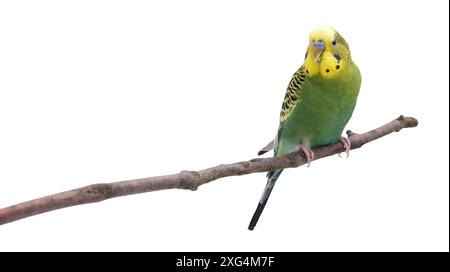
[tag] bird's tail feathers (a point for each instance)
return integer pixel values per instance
(267, 148)
(272, 177)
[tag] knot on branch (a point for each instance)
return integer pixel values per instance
(189, 180)
(355, 139)
(98, 192)
(103, 189)
(350, 133)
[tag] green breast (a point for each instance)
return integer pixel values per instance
(324, 109)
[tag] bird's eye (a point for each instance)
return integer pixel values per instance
(333, 43)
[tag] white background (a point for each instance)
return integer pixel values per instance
(101, 91)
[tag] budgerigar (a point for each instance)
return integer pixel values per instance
(318, 103)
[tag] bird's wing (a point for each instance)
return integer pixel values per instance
(292, 99)
(292, 96)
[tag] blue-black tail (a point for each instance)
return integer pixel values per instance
(272, 177)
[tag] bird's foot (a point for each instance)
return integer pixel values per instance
(309, 154)
(347, 144)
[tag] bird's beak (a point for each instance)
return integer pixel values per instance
(317, 48)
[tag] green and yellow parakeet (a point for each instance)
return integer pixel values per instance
(318, 103)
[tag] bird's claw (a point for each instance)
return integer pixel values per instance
(309, 154)
(347, 144)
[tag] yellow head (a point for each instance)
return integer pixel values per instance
(328, 53)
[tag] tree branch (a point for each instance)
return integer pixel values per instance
(188, 179)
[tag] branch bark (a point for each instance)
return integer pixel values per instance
(189, 179)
